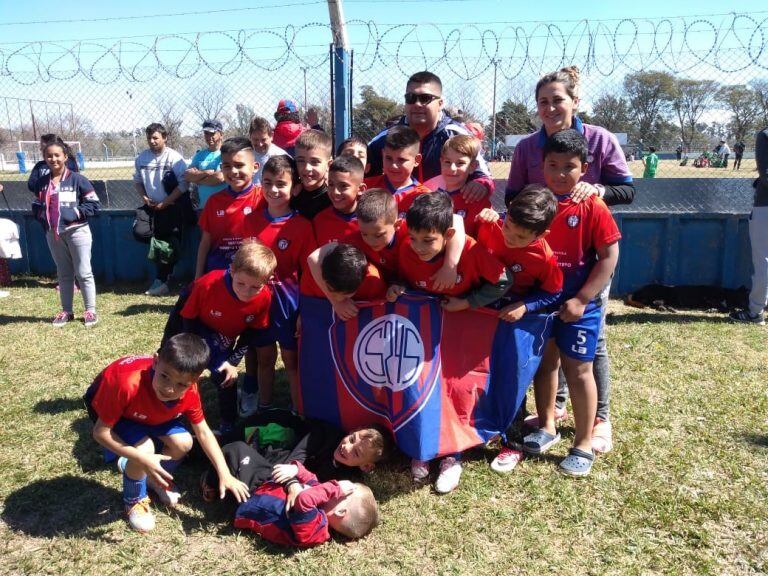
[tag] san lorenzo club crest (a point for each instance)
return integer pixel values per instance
(572, 221)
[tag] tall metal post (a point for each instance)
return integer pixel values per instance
(341, 73)
(493, 125)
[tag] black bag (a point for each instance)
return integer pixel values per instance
(188, 214)
(143, 225)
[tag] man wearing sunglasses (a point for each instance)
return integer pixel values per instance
(424, 113)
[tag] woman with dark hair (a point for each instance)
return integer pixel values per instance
(607, 175)
(40, 169)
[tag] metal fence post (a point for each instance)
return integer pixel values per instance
(340, 64)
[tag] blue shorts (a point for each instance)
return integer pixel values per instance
(283, 313)
(578, 340)
(131, 432)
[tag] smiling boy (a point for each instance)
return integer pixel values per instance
(313, 157)
(138, 400)
(345, 184)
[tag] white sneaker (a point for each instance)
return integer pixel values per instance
(450, 473)
(419, 470)
(158, 289)
(506, 460)
(249, 404)
(170, 496)
(140, 516)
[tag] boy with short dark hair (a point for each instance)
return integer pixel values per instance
(357, 147)
(345, 184)
(400, 157)
(290, 236)
(458, 160)
(481, 280)
(537, 282)
(138, 400)
(341, 275)
(220, 306)
(222, 220)
(295, 510)
(584, 238)
(313, 157)
(260, 134)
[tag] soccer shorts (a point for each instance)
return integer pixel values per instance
(578, 340)
(131, 432)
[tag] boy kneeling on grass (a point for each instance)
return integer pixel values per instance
(138, 400)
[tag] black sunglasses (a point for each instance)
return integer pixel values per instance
(423, 99)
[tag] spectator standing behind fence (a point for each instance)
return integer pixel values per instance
(65, 200)
(651, 163)
(40, 169)
(724, 152)
(260, 133)
(738, 151)
(758, 237)
(424, 113)
(607, 175)
(205, 168)
(313, 120)
(159, 180)
(288, 127)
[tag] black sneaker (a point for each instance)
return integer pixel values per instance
(747, 318)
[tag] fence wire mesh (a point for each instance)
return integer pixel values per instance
(678, 85)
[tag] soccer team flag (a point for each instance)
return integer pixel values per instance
(443, 382)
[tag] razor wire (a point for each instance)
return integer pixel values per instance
(596, 46)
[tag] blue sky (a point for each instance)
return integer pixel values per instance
(145, 16)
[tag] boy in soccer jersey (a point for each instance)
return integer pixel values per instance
(295, 510)
(139, 400)
(224, 214)
(357, 147)
(458, 160)
(399, 158)
(584, 238)
(345, 184)
(313, 157)
(342, 274)
(290, 237)
(481, 280)
(537, 282)
(224, 307)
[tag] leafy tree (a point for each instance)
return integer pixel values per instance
(513, 118)
(743, 104)
(370, 116)
(242, 120)
(761, 90)
(612, 113)
(691, 99)
(650, 95)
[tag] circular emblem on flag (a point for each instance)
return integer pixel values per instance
(516, 268)
(389, 353)
(282, 243)
(573, 221)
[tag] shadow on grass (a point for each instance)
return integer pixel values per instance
(64, 506)
(136, 309)
(58, 406)
(760, 440)
(663, 318)
(87, 453)
(24, 319)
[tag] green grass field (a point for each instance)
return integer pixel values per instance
(685, 490)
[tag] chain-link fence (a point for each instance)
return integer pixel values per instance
(679, 86)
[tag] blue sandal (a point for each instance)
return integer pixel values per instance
(577, 463)
(539, 441)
